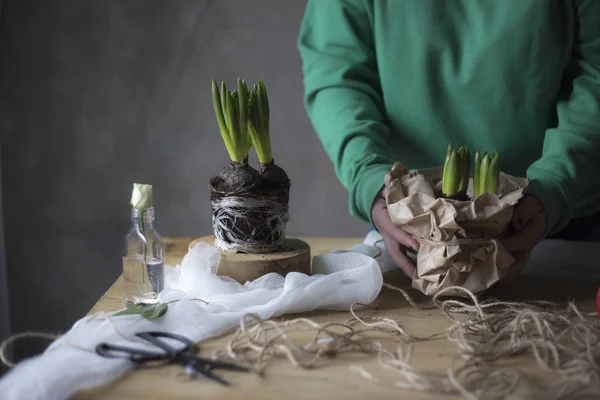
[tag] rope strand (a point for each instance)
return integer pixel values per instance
(560, 339)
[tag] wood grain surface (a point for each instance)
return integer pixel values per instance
(244, 267)
(333, 379)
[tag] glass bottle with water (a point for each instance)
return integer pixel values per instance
(143, 262)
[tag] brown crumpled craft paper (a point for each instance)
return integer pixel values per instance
(459, 240)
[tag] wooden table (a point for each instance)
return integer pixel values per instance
(334, 380)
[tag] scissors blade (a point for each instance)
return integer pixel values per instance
(202, 370)
(224, 365)
(203, 364)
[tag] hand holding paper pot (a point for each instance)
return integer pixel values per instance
(396, 241)
(457, 220)
(528, 225)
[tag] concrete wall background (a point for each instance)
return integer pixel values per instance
(4, 308)
(96, 95)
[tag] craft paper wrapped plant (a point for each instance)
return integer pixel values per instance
(249, 207)
(457, 220)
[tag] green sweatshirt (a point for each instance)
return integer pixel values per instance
(397, 80)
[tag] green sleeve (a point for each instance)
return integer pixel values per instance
(343, 96)
(565, 178)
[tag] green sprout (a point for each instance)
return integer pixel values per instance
(231, 111)
(258, 123)
(455, 177)
(486, 174)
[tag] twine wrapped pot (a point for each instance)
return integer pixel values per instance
(459, 240)
(250, 222)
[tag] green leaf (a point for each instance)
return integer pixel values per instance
(148, 311)
(455, 171)
(483, 172)
(242, 94)
(493, 174)
(466, 169)
(224, 94)
(230, 115)
(445, 176)
(243, 117)
(451, 175)
(218, 109)
(259, 122)
(263, 99)
(133, 309)
(235, 119)
(460, 155)
(476, 175)
(155, 311)
(253, 127)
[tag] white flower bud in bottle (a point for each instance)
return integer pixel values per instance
(143, 262)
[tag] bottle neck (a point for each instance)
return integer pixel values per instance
(147, 217)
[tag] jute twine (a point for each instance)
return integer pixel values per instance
(4, 347)
(560, 339)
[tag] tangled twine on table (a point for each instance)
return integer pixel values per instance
(559, 338)
(562, 340)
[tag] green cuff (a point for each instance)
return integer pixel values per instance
(550, 194)
(366, 190)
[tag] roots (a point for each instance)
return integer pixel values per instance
(250, 209)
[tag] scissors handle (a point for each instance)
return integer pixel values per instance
(135, 355)
(181, 355)
(169, 353)
(172, 352)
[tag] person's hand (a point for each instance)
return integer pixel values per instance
(528, 225)
(396, 240)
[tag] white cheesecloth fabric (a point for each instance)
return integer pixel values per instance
(338, 281)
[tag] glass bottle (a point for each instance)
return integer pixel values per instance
(143, 262)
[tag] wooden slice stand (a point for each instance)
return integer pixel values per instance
(245, 267)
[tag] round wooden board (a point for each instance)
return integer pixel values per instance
(245, 267)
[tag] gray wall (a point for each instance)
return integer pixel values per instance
(4, 309)
(96, 95)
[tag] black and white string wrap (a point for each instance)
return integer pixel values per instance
(249, 223)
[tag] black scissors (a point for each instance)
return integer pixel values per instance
(183, 356)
